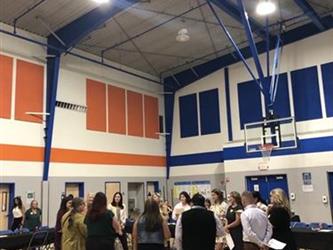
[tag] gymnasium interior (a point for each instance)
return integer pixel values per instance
(165, 96)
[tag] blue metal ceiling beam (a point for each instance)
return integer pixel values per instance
(249, 35)
(311, 13)
(75, 31)
(233, 11)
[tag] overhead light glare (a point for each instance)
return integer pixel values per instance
(182, 35)
(101, 1)
(265, 8)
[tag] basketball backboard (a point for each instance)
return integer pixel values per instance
(279, 132)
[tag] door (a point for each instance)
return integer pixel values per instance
(265, 184)
(330, 188)
(136, 197)
(4, 206)
(75, 189)
(110, 189)
(152, 187)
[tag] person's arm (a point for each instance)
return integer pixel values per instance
(116, 226)
(174, 215)
(219, 226)
(166, 230)
(82, 228)
(135, 235)
(269, 232)
(179, 234)
(248, 231)
(123, 215)
(236, 222)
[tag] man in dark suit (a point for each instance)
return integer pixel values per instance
(197, 228)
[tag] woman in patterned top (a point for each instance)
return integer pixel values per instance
(219, 207)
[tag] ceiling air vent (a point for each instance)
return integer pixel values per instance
(71, 106)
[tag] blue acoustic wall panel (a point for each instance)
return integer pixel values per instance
(249, 101)
(282, 104)
(209, 112)
(306, 94)
(327, 73)
(188, 115)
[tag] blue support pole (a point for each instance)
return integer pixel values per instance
(53, 64)
(252, 44)
(267, 46)
(311, 13)
(232, 10)
(239, 53)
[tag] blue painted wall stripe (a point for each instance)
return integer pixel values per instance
(227, 96)
(200, 158)
(305, 146)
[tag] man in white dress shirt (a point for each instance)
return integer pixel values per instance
(257, 230)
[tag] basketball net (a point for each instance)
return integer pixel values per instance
(266, 151)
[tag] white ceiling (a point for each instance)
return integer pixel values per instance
(156, 51)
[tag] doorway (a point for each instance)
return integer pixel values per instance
(152, 187)
(265, 184)
(110, 189)
(74, 188)
(6, 202)
(136, 196)
(330, 189)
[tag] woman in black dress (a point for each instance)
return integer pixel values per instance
(279, 216)
(234, 226)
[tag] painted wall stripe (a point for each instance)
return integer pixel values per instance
(29, 153)
(200, 158)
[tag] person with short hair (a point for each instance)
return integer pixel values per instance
(33, 217)
(257, 230)
(150, 230)
(102, 225)
(198, 227)
(182, 206)
(74, 231)
(260, 202)
(279, 215)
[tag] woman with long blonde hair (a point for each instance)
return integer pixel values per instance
(279, 216)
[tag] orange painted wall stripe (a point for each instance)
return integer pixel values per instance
(58, 155)
(6, 77)
(151, 117)
(117, 110)
(96, 103)
(134, 114)
(29, 90)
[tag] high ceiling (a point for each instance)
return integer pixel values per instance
(144, 36)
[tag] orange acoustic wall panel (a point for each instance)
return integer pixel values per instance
(6, 77)
(96, 104)
(134, 114)
(151, 117)
(29, 90)
(117, 110)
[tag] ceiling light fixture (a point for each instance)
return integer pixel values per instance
(265, 8)
(101, 1)
(182, 35)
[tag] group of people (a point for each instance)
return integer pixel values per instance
(246, 219)
(30, 219)
(201, 224)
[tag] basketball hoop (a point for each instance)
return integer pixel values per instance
(266, 151)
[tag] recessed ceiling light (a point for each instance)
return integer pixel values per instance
(183, 35)
(265, 8)
(101, 1)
